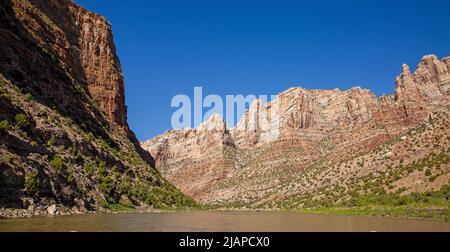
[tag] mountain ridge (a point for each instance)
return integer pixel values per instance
(312, 123)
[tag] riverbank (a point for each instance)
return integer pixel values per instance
(54, 210)
(398, 212)
(426, 213)
(420, 213)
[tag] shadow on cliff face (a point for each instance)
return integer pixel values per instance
(11, 183)
(13, 168)
(143, 153)
(32, 68)
(38, 72)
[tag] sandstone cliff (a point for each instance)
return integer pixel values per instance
(65, 143)
(258, 160)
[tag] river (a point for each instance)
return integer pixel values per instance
(219, 221)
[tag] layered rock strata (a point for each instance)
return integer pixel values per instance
(65, 144)
(274, 142)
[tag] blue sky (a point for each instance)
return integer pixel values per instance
(264, 47)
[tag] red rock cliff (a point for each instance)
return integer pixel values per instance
(60, 77)
(101, 65)
(81, 42)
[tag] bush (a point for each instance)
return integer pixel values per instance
(70, 178)
(101, 168)
(4, 125)
(22, 121)
(89, 169)
(428, 173)
(4, 94)
(57, 163)
(433, 178)
(28, 97)
(101, 202)
(107, 185)
(32, 183)
(125, 187)
(89, 137)
(51, 141)
(16, 88)
(139, 191)
(120, 207)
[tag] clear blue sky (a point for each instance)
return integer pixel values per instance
(264, 47)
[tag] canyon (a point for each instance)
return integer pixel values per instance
(66, 146)
(313, 148)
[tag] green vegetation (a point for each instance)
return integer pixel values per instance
(113, 183)
(70, 178)
(101, 202)
(108, 158)
(89, 169)
(107, 147)
(28, 97)
(387, 211)
(57, 163)
(107, 187)
(125, 187)
(89, 137)
(120, 208)
(394, 186)
(428, 205)
(22, 121)
(32, 183)
(427, 199)
(16, 88)
(101, 169)
(166, 196)
(51, 141)
(4, 125)
(110, 162)
(4, 94)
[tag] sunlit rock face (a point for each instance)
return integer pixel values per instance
(281, 138)
(82, 45)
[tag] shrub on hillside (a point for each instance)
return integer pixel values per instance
(107, 187)
(57, 163)
(51, 141)
(22, 121)
(32, 183)
(4, 125)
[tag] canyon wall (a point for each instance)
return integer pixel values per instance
(302, 126)
(65, 144)
(80, 42)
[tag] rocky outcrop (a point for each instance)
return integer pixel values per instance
(101, 65)
(424, 90)
(80, 41)
(446, 60)
(314, 113)
(208, 150)
(65, 145)
(275, 141)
